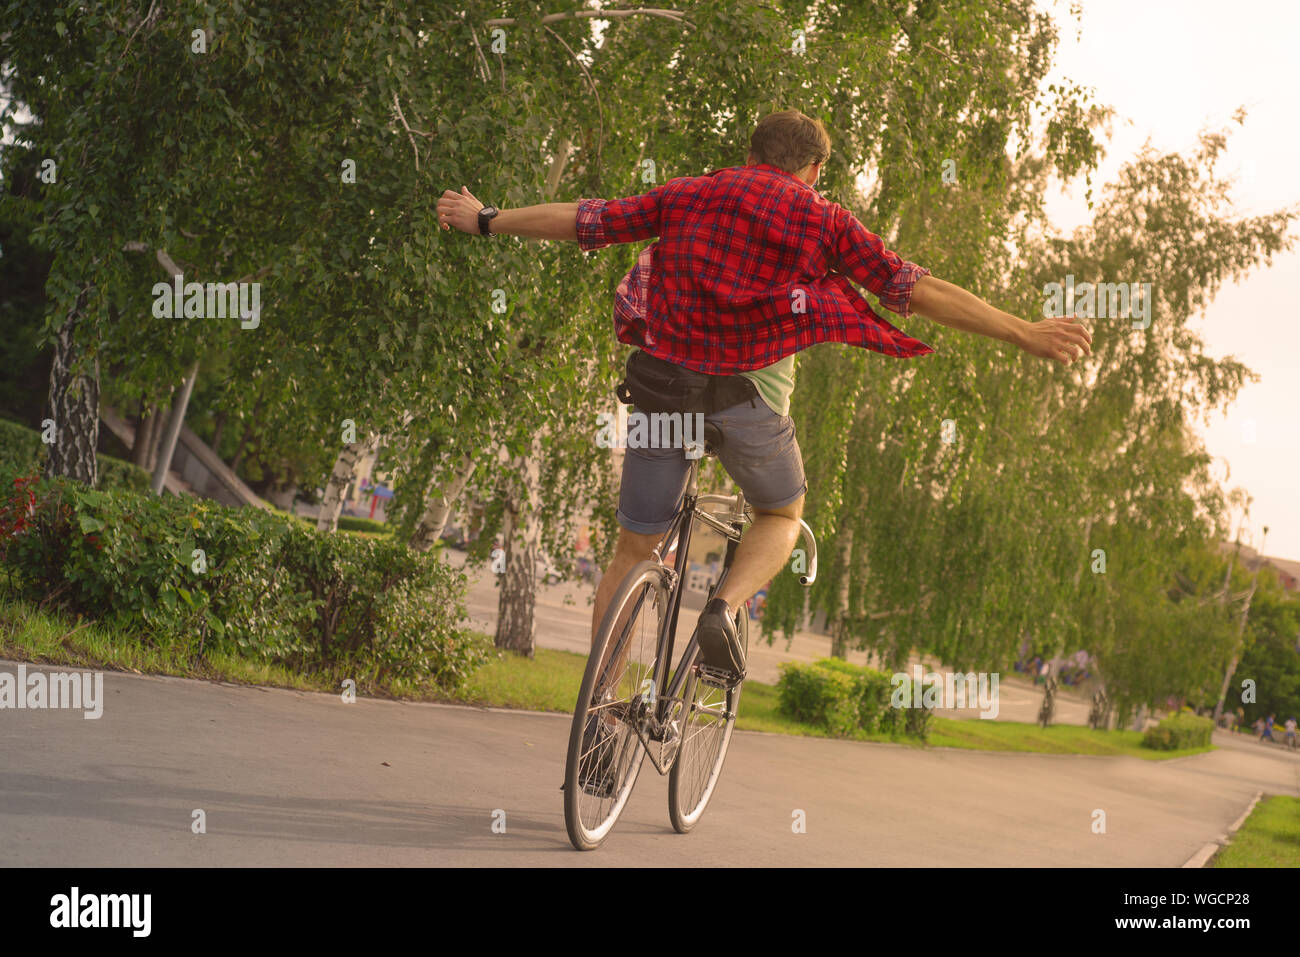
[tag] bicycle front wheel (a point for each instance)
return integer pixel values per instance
(709, 719)
(605, 754)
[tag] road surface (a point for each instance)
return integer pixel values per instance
(294, 778)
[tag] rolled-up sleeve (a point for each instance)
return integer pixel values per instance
(897, 296)
(867, 262)
(604, 221)
(591, 228)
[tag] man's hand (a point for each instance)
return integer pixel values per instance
(459, 210)
(547, 221)
(1064, 339)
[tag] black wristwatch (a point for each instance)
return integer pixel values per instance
(484, 217)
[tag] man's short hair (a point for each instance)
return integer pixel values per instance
(790, 141)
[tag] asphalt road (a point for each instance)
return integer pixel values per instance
(291, 778)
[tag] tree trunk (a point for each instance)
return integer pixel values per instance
(140, 445)
(173, 431)
(521, 533)
(840, 629)
(345, 469)
(243, 439)
(1140, 719)
(1241, 632)
(74, 405)
(218, 428)
(438, 508)
(1087, 536)
(157, 425)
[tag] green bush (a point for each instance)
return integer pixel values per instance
(916, 722)
(22, 450)
(115, 473)
(845, 698)
(20, 447)
(817, 696)
(870, 693)
(1179, 731)
(264, 586)
(355, 523)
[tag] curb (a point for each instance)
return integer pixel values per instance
(1202, 857)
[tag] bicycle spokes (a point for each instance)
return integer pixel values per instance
(621, 673)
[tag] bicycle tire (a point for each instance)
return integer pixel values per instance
(588, 831)
(696, 770)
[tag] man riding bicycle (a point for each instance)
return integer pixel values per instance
(752, 266)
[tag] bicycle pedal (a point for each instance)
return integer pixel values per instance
(718, 677)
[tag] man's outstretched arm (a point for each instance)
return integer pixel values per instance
(1061, 339)
(547, 221)
(905, 288)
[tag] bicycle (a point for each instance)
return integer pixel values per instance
(681, 718)
(1098, 717)
(1047, 712)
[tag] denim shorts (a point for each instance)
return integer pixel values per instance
(759, 452)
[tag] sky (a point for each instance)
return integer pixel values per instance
(1171, 68)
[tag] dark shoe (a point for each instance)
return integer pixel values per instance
(721, 653)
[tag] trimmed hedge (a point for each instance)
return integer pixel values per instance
(845, 698)
(355, 523)
(1179, 731)
(240, 580)
(22, 450)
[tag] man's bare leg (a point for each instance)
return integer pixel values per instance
(762, 552)
(631, 548)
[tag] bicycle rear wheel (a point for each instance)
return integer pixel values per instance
(622, 661)
(706, 736)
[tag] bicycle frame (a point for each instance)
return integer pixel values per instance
(683, 529)
(679, 534)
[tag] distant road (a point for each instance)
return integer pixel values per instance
(564, 623)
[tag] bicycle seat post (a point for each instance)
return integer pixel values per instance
(692, 483)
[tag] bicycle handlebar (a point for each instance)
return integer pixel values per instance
(807, 534)
(733, 501)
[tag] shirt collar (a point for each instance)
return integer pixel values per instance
(780, 172)
(763, 166)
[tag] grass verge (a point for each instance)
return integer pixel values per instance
(983, 735)
(1269, 838)
(548, 682)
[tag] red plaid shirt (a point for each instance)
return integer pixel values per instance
(752, 265)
